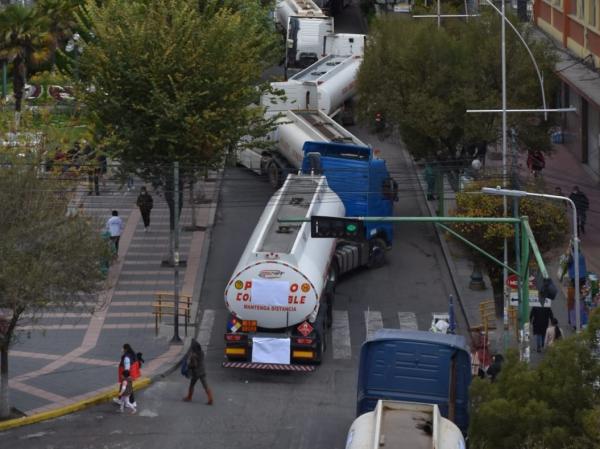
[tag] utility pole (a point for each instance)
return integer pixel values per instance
(175, 251)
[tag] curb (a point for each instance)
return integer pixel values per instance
(71, 408)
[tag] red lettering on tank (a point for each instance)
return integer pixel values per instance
(247, 285)
(246, 297)
(302, 299)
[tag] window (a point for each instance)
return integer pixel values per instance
(592, 12)
(581, 8)
(558, 3)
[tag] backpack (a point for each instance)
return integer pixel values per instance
(185, 370)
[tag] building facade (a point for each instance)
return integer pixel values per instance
(574, 26)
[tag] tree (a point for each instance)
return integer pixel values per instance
(60, 21)
(423, 80)
(555, 405)
(173, 81)
(25, 42)
(548, 222)
(49, 259)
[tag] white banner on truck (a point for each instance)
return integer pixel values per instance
(271, 350)
(270, 292)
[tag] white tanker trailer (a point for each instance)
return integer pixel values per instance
(294, 128)
(281, 279)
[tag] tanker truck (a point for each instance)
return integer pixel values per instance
(280, 296)
(404, 425)
(294, 128)
(327, 85)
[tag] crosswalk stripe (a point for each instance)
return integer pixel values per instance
(206, 325)
(408, 321)
(340, 335)
(373, 322)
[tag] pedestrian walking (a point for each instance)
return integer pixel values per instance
(539, 317)
(114, 226)
(582, 204)
(536, 162)
(145, 203)
(193, 367)
(496, 366)
(553, 332)
(571, 289)
(429, 175)
(125, 392)
(131, 363)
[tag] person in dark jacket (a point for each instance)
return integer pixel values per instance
(496, 366)
(539, 317)
(582, 204)
(145, 203)
(196, 371)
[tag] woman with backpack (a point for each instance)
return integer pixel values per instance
(193, 367)
(553, 332)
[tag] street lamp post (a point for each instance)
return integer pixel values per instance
(74, 45)
(520, 194)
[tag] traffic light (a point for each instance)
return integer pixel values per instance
(336, 227)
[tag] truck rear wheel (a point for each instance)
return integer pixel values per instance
(377, 249)
(274, 174)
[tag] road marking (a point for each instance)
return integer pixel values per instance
(340, 335)
(206, 325)
(373, 322)
(408, 321)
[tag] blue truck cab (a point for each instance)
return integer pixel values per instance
(416, 366)
(361, 180)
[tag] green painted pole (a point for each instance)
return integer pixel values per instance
(525, 253)
(413, 219)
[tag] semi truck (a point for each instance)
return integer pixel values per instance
(280, 295)
(294, 128)
(404, 425)
(416, 366)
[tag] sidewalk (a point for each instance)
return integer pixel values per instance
(562, 170)
(69, 359)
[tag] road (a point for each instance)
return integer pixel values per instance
(284, 410)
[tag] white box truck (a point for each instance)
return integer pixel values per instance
(304, 27)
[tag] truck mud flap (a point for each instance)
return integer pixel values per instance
(270, 366)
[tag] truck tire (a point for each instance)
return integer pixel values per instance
(322, 340)
(377, 248)
(329, 311)
(274, 175)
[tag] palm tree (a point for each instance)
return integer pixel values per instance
(60, 17)
(24, 41)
